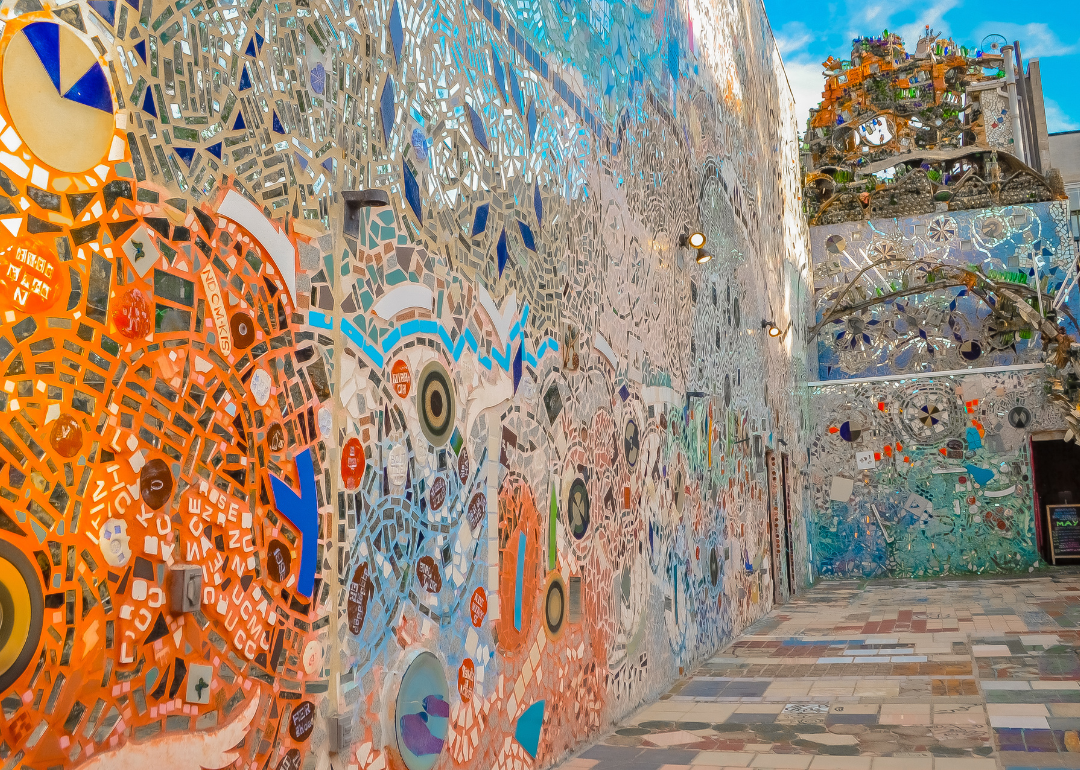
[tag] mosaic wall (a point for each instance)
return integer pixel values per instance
(451, 481)
(927, 476)
(951, 328)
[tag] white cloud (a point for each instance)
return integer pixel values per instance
(807, 83)
(1035, 39)
(793, 37)
(1056, 119)
(934, 16)
(871, 18)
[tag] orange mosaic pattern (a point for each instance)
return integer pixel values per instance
(137, 444)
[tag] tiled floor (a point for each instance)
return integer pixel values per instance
(888, 675)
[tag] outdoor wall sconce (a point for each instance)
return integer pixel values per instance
(703, 256)
(360, 199)
(694, 240)
(771, 329)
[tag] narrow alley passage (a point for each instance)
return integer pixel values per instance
(887, 675)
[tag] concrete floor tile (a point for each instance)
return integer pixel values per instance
(902, 763)
(964, 763)
(1017, 710)
(760, 708)
(877, 688)
(840, 763)
(723, 759)
(1021, 723)
(782, 761)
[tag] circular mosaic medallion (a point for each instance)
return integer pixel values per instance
(278, 561)
(243, 330)
(114, 542)
(578, 509)
(260, 386)
(1019, 417)
(422, 713)
(925, 414)
(632, 443)
(437, 493)
(400, 378)
(941, 230)
(992, 228)
(835, 244)
(275, 438)
(848, 432)
(678, 489)
(970, 350)
(435, 403)
(155, 483)
(353, 463)
(67, 436)
(554, 605)
(302, 721)
(397, 466)
(291, 761)
(55, 89)
(21, 610)
(361, 589)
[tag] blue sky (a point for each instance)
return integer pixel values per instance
(808, 32)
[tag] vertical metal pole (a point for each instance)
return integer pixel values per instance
(1014, 105)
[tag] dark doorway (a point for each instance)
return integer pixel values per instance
(1056, 468)
(785, 475)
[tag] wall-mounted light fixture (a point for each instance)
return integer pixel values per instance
(693, 240)
(360, 199)
(771, 329)
(703, 256)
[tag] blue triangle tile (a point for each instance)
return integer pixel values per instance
(250, 50)
(239, 125)
(134, 4)
(259, 41)
(148, 103)
(515, 91)
(301, 160)
(92, 89)
(480, 219)
(215, 150)
(397, 34)
(527, 236)
(538, 205)
(106, 9)
(328, 164)
(477, 126)
(187, 154)
(140, 48)
(278, 128)
(502, 251)
(527, 729)
(500, 75)
(519, 365)
(44, 36)
(386, 107)
(245, 79)
(412, 191)
(530, 118)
